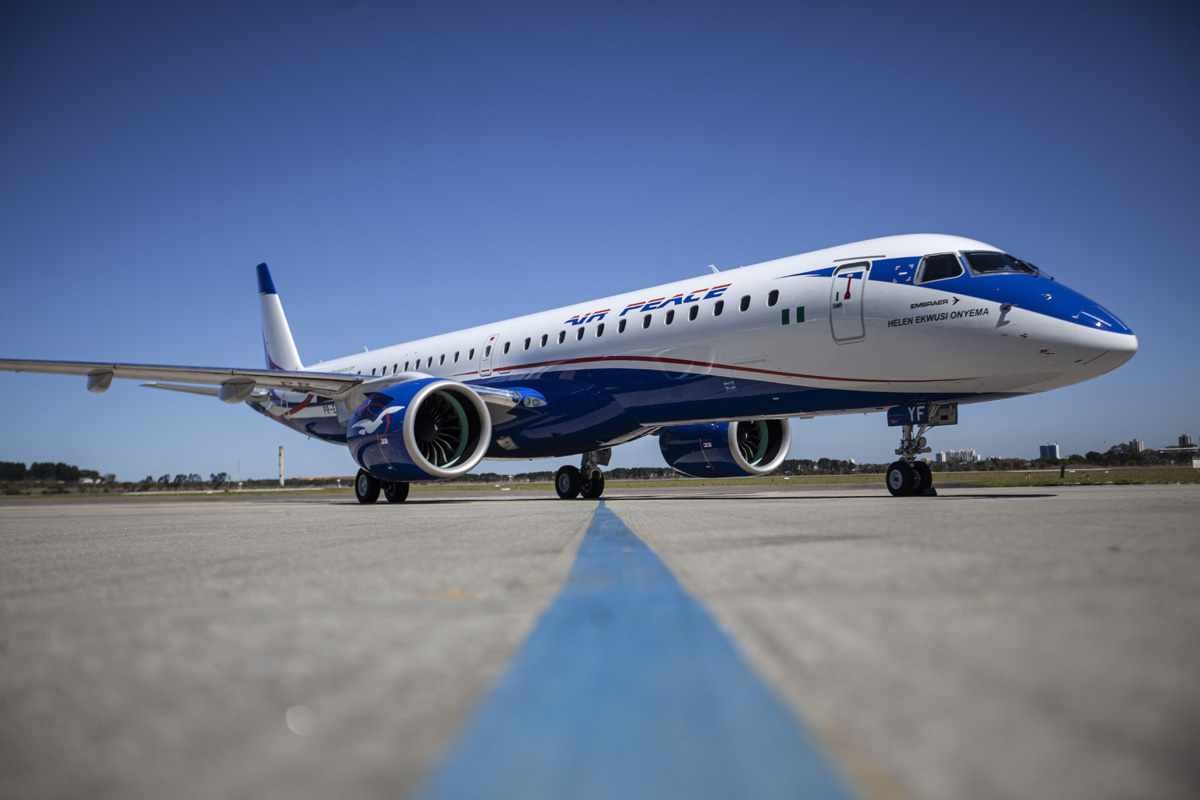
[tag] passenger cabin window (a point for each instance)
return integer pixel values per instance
(936, 268)
(718, 307)
(773, 297)
(372, 370)
(527, 340)
(621, 326)
(745, 302)
(442, 359)
(984, 262)
(545, 339)
(471, 354)
(670, 316)
(487, 351)
(395, 368)
(599, 330)
(406, 366)
(562, 336)
(646, 321)
(579, 335)
(456, 356)
(506, 346)
(429, 363)
(694, 312)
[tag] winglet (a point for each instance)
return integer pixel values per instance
(265, 284)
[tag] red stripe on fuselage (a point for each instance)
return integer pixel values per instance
(691, 363)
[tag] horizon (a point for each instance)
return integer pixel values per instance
(980, 458)
(533, 160)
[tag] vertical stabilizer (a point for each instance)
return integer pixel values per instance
(277, 336)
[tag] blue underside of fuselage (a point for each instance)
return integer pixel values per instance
(586, 408)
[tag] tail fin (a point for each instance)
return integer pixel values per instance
(278, 344)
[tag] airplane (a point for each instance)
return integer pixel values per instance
(715, 366)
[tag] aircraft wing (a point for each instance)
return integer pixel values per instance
(101, 373)
(234, 385)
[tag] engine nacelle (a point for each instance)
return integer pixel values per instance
(420, 429)
(726, 449)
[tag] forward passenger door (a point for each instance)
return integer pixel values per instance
(846, 302)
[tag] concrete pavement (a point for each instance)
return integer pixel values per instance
(985, 643)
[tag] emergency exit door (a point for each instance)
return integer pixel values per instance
(485, 357)
(846, 302)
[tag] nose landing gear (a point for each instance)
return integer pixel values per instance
(909, 476)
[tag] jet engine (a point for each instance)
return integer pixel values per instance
(726, 449)
(418, 430)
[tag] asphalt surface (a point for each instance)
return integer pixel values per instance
(985, 643)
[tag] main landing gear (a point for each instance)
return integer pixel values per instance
(586, 481)
(909, 476)
(367, 488)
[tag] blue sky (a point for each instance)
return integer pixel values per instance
(412, 171)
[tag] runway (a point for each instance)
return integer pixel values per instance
(985, 643)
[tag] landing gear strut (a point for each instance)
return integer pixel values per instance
(909, 476)
(586, 481)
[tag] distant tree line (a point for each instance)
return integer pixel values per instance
(191, 480)
(50, 471)
(1121, 455)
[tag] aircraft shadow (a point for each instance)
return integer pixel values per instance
(712, 497)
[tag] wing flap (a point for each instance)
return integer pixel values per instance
(207, 391)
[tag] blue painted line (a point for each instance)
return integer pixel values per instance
(627, 688)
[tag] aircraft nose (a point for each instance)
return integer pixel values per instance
(1085, 337)
(1127, 344)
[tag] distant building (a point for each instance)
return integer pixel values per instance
(961, 456)
(1186, 445)
(1136, 445)
(1049, 452)
(939, 457)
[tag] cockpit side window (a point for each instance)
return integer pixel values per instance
(984, 262)
(936, 268)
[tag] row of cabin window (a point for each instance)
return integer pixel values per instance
(693, 313)
(428, 362)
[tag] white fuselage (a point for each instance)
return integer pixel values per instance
(912, 338)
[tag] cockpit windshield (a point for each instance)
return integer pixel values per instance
(984, 262)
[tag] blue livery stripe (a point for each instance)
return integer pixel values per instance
(265, 284)
(626, 687)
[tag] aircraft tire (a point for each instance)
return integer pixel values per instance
(925, 474)
(568, 482)
(593, 487)
(396, 492)
(901, 480)
(366, 487)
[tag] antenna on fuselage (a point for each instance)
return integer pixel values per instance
(714, 268)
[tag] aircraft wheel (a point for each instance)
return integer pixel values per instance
(568, 481)
(593, 487)
(901, 480)
(396, 492)
(366, 487)
(925, 474)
